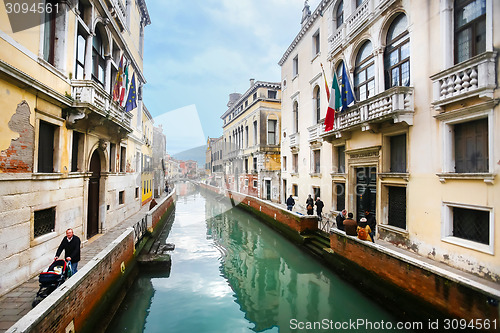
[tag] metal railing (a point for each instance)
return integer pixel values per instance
(325, 225)
(140, 229)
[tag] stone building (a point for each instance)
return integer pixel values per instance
(159, 165)
(251, 137)
(69, 153)
(214, 161)
(147, 156)
(419, 146)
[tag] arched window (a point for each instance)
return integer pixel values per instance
(470, 28)
(296, 116)
(338, 71)
(317, 100)
(364, 72)
(340, 14)
(397, 54)
(98, 62)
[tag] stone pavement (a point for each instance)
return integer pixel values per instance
(16, 303)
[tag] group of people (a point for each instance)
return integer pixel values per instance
(364, 230)
(310, 203)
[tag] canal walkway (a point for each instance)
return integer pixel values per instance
(17, 303)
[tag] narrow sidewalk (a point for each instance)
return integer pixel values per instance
(16, 303)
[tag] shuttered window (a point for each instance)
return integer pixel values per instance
(471, 224)
(471, 146)
(340, 195)
(397, 207)
(46, 147)
(398, 153)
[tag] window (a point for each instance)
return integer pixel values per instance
(471, 224)
(295, 162)
(358, 3)
(271, 132)
(254, 96)
(471, 146)
(341, 159)
(364, 73)
(49, 35)
(112, 157)
(317, 192)
(284, 163)
(316, 45)
(255, 183)
(398, 153)
(246, 103)
(339, 194)
(98, 62)
(246, 165)
(75, 152)
(44, 221)
(80, 55)
(121, 197)
(397, 54)
(470, 28)
(136, 192)
(246, 136)
(246, 182)
(296, 66)
(339, 71)
(255, 133)
(340, 14)
(46, 140)
(295, 190)
(317, 102)
(316, 161)
(397, 207)
(295, 116)
(255, 164)
(123, 159)
(271, 94)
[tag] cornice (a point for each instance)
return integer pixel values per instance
(317, 12)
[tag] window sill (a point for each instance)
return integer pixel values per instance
(47, 176)
(315, 175)
(294, 174)
(393, 229)
(488, 249)
(43, 238)
(401, 175)
(486, 177)
(338, 175)
(295, 76)
(315, 56)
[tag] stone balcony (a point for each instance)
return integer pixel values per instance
(233, 154)
(294, 140)
(475, 77)
(314, 131)
(394, 104)
(91, 97)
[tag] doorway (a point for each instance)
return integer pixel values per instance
(268, 189)
(93, 199)
(366, 190)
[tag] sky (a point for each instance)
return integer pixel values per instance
(197, 52)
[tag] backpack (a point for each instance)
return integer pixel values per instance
(309, 207)
(362, 234)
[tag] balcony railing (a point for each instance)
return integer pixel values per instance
(474, 77)
(294, 140)
(314, 131)
(87, 93)
(359, 17)
(394, 104)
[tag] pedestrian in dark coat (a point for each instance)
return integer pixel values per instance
(71, 246)
(340, 219)
(370, 220)
(290, 203)
(309, 205)
(319, 208)
(350, 226)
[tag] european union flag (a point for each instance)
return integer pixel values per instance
(131, 99)
(346, 91)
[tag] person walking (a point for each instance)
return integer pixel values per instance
(350, 226)
(71, 246)
(370, 220)
(309, 205)
(319, 208)
(340, 219)
(364, 230)
(290, 203)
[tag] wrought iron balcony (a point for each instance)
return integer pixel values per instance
(294, 140)
(472, 78)
(90, 95)
(394, 104)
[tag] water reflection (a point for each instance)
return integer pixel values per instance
(231, 273)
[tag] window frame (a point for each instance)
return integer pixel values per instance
(339, 14)
(447, 227)
(362, 65)
(472, 27)
(295, 66)
(316, 44)
(393, 45)
(272, 131)
(317, 103)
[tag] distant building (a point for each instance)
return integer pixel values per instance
(147, 157)
(214, 161)
(251, 153)
(159, 164)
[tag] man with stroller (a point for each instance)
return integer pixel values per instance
(71, 246)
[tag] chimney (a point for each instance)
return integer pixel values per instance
(252, 82)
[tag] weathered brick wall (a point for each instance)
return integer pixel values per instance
(446, 295)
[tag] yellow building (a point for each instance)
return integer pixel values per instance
(68, 150)
(419, 148)
(251, 154)
(147, 156)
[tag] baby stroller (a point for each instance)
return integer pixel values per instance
(52, 278)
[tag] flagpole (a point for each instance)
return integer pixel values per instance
(326, 83)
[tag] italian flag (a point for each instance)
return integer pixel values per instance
(334, 104)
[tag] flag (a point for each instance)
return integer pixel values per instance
(123, 90)
(334, 104)
(118, 82)
(326, 84)
(347, 94)
(131, 102)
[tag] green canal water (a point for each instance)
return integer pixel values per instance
(232, 273)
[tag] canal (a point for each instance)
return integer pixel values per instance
(232, 273)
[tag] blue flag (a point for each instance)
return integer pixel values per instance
(346, 91)
(131, 99)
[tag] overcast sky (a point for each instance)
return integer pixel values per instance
(197, 52)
